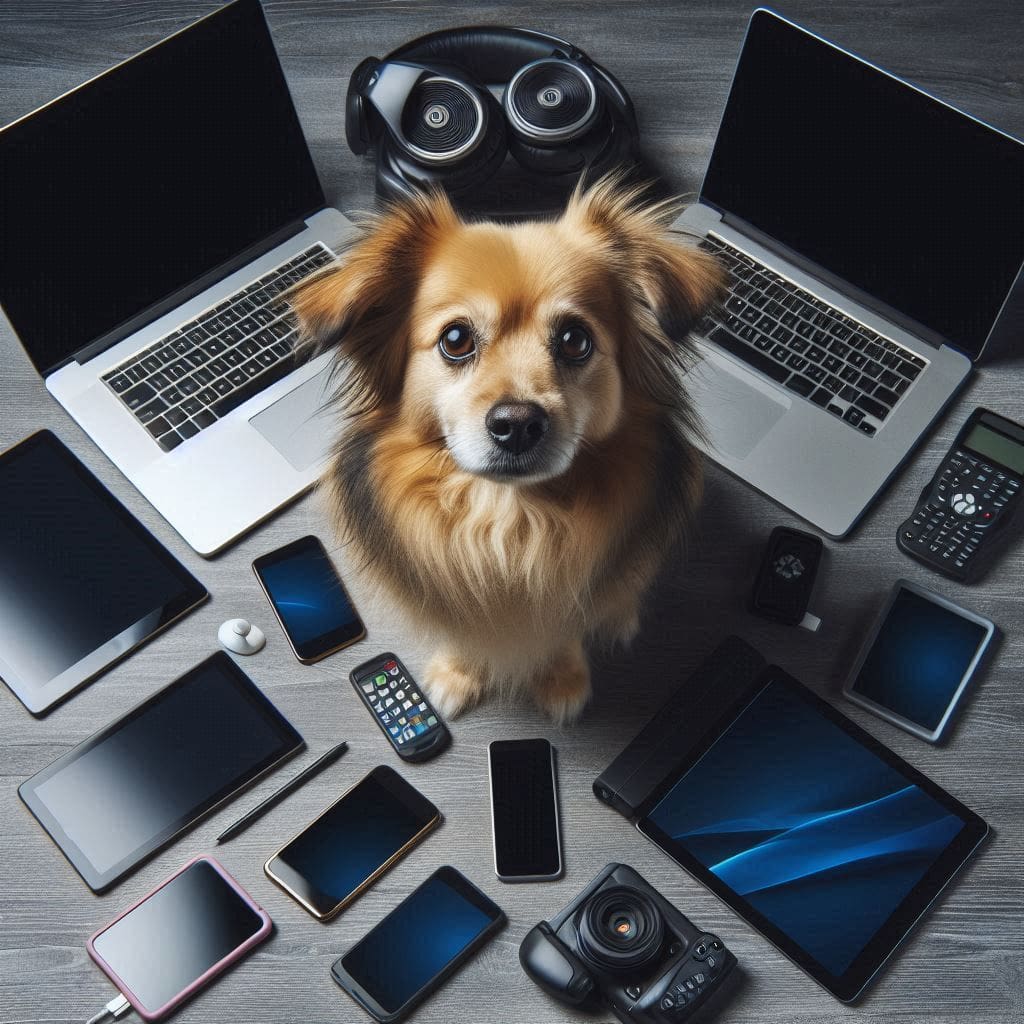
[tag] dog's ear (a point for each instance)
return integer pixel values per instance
(360, 305)
(672, 284)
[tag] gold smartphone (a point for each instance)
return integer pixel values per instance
(309, 599)
(346, 849)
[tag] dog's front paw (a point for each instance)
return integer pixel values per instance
(563, 689)
(452, 688)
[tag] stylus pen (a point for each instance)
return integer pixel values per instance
(259, 810)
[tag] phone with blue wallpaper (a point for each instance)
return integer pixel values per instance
(309, 599)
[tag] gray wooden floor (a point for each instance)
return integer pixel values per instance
(965, 962)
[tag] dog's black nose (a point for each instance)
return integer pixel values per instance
(517, 426)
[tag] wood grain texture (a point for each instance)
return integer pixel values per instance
(676, 59)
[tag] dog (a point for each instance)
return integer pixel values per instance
(517, 460)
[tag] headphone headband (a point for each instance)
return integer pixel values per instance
(490, 53)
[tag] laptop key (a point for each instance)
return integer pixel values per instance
(848, 394)
(866, 427)
(204, 418)
(138, 396)
(150, 410)
(909, 369)
(876, 409)
(191, 406)
(836, 410)
(853, 415)
(821, 397)
(119, 382)
(801, 385)
(158, 426)
(885, 396)
(170, 440)
(222, 387)
(175, 416)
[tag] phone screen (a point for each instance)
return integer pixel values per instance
(524, 810)
(163, 946)
(423, 935)
(328, 864)
(309, 598)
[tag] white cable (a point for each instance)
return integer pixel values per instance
(116, 1008)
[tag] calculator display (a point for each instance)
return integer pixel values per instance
(996, 446)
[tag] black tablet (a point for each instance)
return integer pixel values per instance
(126, 792)
(82, 582)
(823, 839)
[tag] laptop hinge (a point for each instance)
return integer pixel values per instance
(182, 295)
(815, 270)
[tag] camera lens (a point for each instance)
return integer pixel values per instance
(621, 929)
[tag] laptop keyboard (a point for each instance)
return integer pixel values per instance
(806, 345)
(193, 376)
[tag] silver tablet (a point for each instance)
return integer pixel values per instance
(918, 660)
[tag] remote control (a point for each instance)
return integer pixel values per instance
(404, 715)
(970, 500)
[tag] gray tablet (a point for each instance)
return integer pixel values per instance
(918, 660)
(82, 582)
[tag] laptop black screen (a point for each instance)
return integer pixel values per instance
(907, 199)
(137, 183)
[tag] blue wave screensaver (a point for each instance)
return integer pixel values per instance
(308, 596)
(817, 833)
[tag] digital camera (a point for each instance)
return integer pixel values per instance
(622, 944)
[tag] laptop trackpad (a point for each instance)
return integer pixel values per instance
(299, 425)
(737, 415)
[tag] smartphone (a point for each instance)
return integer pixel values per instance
(420, 944)
(918, 660)
(309, 599)
(171, 943)
(524, 810)
(344, 851)
(413, 728)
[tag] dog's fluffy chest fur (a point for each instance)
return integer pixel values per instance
(509, 571)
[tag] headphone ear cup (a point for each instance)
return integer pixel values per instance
(358, 133)
(400, 162)
(546, 160)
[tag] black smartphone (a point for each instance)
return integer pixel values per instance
(404, 714)
(524, 810)
(421, 943)
(309, 599)
(344, 851)
(785, 579)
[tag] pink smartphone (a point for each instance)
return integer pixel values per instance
(171, 943)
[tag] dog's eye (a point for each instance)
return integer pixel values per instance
(574, 343)
(457, 343)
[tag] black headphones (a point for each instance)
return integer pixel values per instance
(445, 109)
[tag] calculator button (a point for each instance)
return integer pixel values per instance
(400, 694)
(367, 687)
(388, 702)
(423, 706)
(400, 739)
(382, 693)
(414, 696)
(403, 720)
(393, 670)
(431, 720)
(407, 705)
(394, 730)
(378, 707)
(380, 679)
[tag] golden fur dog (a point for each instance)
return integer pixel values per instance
(517, 462)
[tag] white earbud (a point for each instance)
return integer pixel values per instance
(241, 637)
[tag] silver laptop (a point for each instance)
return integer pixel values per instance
(149, 221)
(874, 235)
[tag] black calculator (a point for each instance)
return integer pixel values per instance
(403, 713)
(970, 500)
